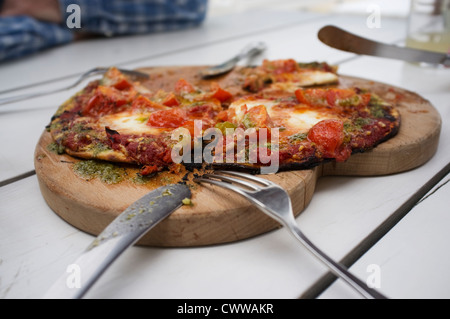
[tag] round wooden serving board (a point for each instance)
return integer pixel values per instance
(217, 215)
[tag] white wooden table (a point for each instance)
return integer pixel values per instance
(347, 217)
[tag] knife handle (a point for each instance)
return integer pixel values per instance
(88, 268)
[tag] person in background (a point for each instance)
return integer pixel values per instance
(28, 26)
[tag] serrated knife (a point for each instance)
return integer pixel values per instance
(125, 230)
(343, 40)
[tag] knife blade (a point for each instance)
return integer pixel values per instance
(125, 230)
(343, 40)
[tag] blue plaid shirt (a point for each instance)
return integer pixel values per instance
(22, 35)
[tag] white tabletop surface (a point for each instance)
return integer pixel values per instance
(372, 217)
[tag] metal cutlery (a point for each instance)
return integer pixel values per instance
(84, 76)
(249, 51)
(124, 231)
(346, 41)
(275, 202)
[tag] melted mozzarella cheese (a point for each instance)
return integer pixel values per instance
(315, 77)
(126, 123)
(296, 118)
(303, 79)
(303, 121)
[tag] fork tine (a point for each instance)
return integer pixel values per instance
(248, 176)
(135, 73)
(234, 180)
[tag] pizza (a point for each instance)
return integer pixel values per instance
(283, 112)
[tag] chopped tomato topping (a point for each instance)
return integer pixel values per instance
(142, 103)
(332, 97)
(148, 169)
(328, 135)
(232, 115)
(280, 66)
(219, 93)
(183, 87)
(93, 101)
(347, 97)
(171, 100)
(258, 117)
(190, 125)
(122, 84)
(203, 111)
(115, 96)
(222, 116)
(315, 97)
(118, 80)
(172, 118)
(106, 100)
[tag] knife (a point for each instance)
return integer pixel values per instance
(346, 41)
(125, 230)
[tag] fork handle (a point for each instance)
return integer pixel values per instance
(335, 267)
(18, 98)
(252, 49)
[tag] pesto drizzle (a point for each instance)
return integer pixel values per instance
(106, 172)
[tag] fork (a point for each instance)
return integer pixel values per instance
(92, 72)
(275, 202)
(251, 50)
